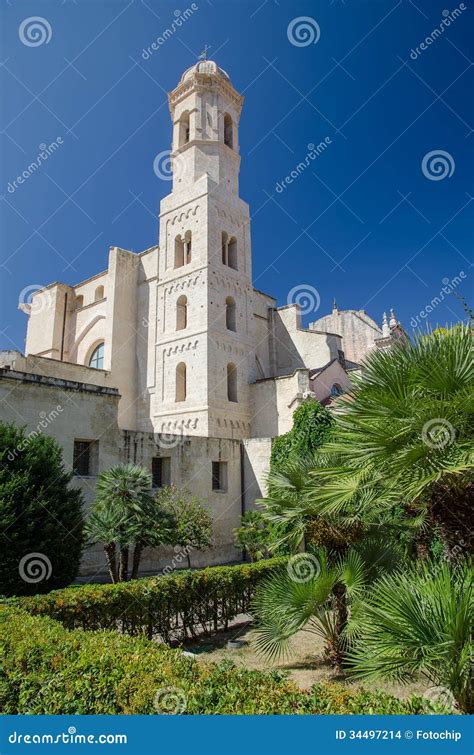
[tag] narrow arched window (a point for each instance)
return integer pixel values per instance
(187, 248)
(225, 240)
(97, 357)
(181, 313)
(228, 131)
(232, 253)
(184, 128)
(99, 293)
(232, 382)
(178, 252)
(181, 382)
(336, 390)
(230, 317)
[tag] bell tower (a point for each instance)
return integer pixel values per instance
(204, 290)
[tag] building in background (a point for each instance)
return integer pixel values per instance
(171, 358)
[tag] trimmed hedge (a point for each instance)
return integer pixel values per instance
(175, 607)
(47, 669)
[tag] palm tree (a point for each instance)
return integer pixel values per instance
(419, 621)
(404, 437)
(124, 515)
(318, 594)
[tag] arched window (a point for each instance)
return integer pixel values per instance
(184, 128)
(99, 293)
(336, 390)
(232, 253)
(181, 313)
(230, 317)
(225, 239)
(228, 131)
(79, 301)
(182, 250)
(181, 382)
(97, 357)
(232, 382)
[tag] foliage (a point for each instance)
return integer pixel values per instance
(192, 523)
(175, 607)
(49, 670)
(315, 593)
(258, 536)
(420, 621)
(125, 514)
(404, 435)
(40, 515)
(312, 425)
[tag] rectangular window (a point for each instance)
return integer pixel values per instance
(84, 458)
(161, 471)
(219, 475)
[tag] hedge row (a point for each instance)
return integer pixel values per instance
(174, 607)
(47, 669)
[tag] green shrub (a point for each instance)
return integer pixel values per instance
(312, 425)
(47, 669)
(40, 515)
(175, 607)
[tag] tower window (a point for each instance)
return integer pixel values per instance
(232, 253)
(181, 382)
(184, 128)
(99, 293)
(182, 250)
(225, 240)
(232, 382)
(97, 357)
(230, 316)
(181, 313)
(219, 475)
(228, 131)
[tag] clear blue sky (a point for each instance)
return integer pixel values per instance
(362, 223)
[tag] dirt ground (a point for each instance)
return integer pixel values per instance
(305, 665)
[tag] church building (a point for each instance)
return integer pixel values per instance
(170, 358)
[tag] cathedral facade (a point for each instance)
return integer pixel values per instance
(171, 358)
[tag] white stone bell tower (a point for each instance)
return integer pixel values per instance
(204, 353)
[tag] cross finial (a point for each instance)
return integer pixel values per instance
(203, 55)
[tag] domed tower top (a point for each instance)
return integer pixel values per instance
(205, 67)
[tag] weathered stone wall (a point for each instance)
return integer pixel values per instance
(357, 329)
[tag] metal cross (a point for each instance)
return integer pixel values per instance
(203, 55)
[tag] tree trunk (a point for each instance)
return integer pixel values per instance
(123, 567)
(111, 558)
(337, 653)
(137, 554)
(189, 559)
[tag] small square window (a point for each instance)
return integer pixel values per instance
(219, 475)
(85, 458)
(161, 471)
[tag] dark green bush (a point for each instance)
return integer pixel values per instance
(40, 515)
(175, 607)
(47, 669)
(312, 426)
